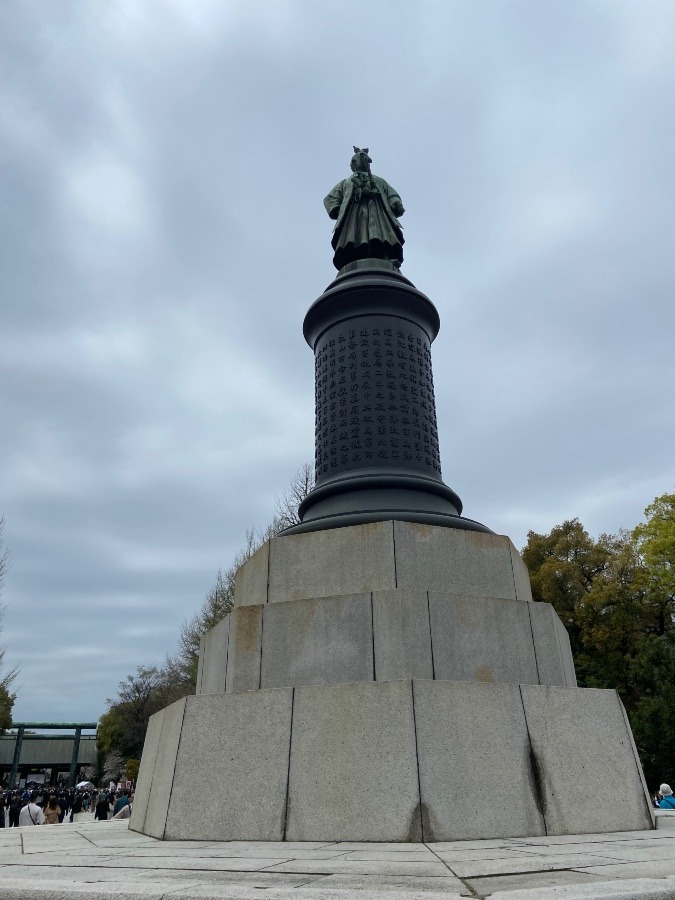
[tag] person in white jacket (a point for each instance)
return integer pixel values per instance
(31, 814)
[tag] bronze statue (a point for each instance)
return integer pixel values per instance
(366, 209)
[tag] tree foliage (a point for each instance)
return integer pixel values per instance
(7, 697)
(123, 727)
(616, 597)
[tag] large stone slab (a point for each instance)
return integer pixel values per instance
(474, 767)
(165, 763)
(250, 580)
(554, 659)
(200, 664)
(331, 640)
(566, 651)
(484, 639)
(401, 633)
(352, 560)
(244, 649)
(214, 659)
(453, 560)
(232, 768)
(381, 556)
(353, 771)
(146, 771)
(581, 742)
(324, 641)
(521, 577)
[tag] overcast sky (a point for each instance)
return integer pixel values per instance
(164, 164)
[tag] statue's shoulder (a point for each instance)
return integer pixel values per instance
(381, 182)
(343, 185)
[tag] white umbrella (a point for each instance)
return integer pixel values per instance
(83, 784)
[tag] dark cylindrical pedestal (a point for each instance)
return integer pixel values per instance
(377, 454)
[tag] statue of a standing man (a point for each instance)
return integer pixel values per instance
(366, 209)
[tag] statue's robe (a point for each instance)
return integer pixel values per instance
(366, 227)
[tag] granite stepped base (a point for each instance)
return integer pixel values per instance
(389, 761)
(387, 682)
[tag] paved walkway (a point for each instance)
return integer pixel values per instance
(104, 859)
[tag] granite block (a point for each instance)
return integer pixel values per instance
(146, 771)
(566, 653)
(547, 648)
(244, 648)
(232, 768)
(452, 560)
(353, 560)
(484, 639)
(214, 663)
(250, 580)
(473, 752)
(353, 769)
(163, 775)
(200, 664)
(323, 641)
(580, 740)
(521, 576)
(401, 635)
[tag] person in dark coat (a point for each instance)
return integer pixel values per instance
(102, 807)
(15, 805)
(76, 808)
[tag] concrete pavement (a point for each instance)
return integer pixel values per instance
(99, 860)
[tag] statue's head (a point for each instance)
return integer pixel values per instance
(360, 160)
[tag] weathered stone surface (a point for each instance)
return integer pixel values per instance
(484, 639)
(545, 624)
(352, 560)
(566, 651)
(382, 556)
(147, 770)
(163, 773)
(243, 657)
(232, 768)
(453, 560)
(580, 740)
(250, 580)
(200, 664)
(521, 577)
(401, 635)
(353, 770)
(324, 641)
(214, 663)
(473, 753)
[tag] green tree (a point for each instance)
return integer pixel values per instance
(615, 596)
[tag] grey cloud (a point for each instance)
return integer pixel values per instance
(163, 235)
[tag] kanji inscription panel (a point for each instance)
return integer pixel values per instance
(375, 398)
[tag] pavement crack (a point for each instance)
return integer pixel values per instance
(93, 843)
(472, 891)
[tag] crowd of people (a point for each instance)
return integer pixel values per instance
(51, 806)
